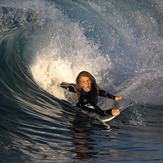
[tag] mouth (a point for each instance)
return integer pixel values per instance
(88, 87)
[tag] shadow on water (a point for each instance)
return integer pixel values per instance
(21, 101)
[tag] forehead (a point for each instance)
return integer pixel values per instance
(84, 78)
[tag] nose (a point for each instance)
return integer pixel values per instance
(87, 82)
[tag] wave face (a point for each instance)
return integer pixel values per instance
(44, 42)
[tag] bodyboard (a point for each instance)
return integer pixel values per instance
(120, 105)
(107, 104)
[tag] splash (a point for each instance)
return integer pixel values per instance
(65, 53)
(132, 67)
(120, 45)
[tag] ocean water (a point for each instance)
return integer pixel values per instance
(47, 41)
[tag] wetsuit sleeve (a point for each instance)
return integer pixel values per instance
(86, 105)
(93, 108)
(106, 94)
(68, 86)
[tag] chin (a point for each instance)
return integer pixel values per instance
(89, 90)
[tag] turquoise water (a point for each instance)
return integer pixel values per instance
(44, 42)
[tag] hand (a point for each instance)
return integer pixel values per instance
(115, 112)
(118, 98)
(58, 84)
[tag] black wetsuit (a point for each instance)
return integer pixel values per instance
(88, 100)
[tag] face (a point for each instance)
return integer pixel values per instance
(85, 83)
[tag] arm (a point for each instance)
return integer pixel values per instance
(106, 94)
(94, 108)
(85, 103)
(68, 86)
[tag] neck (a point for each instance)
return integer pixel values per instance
(86, 90)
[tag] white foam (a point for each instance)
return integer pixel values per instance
(65, 53)
(59, 48)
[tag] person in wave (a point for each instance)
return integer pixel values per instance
(87, 94)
